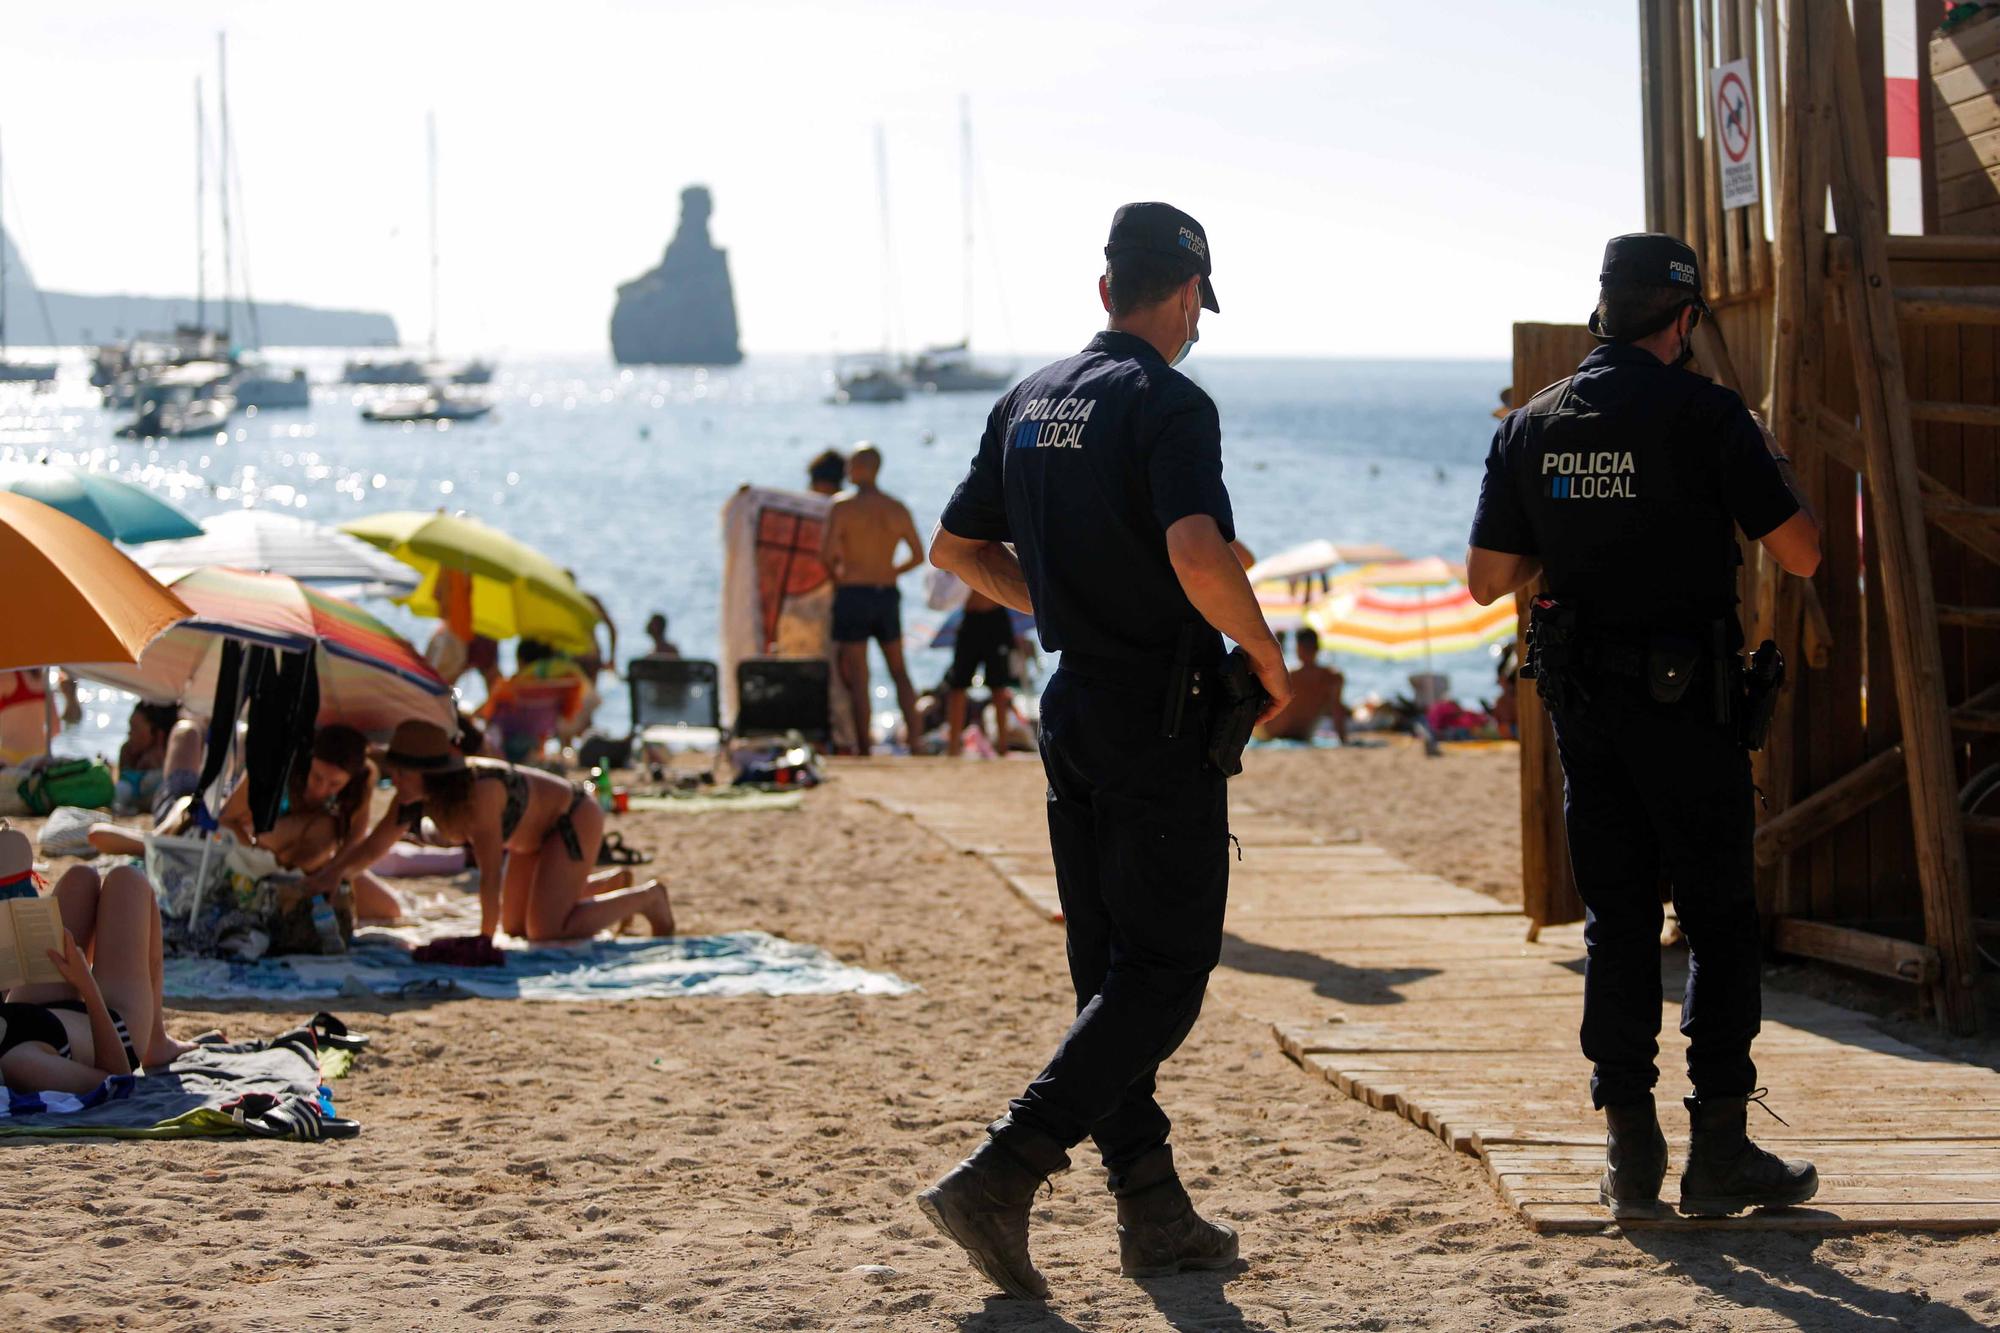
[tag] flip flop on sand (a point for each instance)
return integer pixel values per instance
(614, 852)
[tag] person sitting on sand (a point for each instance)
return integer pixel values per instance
(864, 531)
(1316, 694)
(663, 649)
(142, 759)
(533, 837)
(70, 1036)
(326, 792)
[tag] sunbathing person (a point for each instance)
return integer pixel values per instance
(71, 1036)
(142, 759)
(327, 790)
(1315, 694)
(533, 838)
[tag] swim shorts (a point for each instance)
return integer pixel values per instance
(985, 645)
(863, 613)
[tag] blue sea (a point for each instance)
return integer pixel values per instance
(621, 474)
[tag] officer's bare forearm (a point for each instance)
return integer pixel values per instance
(1213, 579)
(1784, 462)
(988, 568)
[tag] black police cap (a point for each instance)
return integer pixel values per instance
(1162, 229)
(1650, 259)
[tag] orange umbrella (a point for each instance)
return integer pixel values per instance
(71, 595)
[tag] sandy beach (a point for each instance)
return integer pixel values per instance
(748, 1163)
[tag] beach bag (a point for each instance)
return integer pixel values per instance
(66, 832)
(80, 782)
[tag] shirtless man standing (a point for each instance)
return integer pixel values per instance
(864, 531)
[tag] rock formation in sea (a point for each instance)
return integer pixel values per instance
(683, 312)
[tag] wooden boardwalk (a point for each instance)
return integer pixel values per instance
(1471, 1029)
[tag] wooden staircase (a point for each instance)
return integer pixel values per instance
(1847, 281)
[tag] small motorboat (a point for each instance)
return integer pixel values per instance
(868, 381)
(182, 401)
(266, 388)
(27, 372)
(431, 407)
(399, 370)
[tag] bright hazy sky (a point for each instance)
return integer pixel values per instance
(1377, 179)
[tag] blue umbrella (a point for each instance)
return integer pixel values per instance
(114, 508)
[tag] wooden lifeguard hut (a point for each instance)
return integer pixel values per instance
(1876, 358)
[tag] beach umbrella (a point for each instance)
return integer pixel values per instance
(271, 542)
(110, 506)
(1286, 583)
(516, 590)
(71, 595)
(1405, 610)
(369, 677)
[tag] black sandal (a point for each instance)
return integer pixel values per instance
(613, 852)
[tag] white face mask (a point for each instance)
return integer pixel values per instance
(1193, 337)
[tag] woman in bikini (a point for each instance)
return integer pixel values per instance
(70, 1036)
(325, 794)
(533, 837)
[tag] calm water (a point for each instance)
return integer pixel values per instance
(621, 475)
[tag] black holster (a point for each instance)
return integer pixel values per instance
(1239, 698)
(1553, 652)
(1763, 680)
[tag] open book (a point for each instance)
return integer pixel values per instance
(29, 928)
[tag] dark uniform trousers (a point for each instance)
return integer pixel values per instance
(1139, 825)
(1650, 787)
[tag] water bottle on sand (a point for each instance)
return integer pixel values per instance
(327, 925)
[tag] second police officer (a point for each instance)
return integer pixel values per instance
(1626, 485)
(1096, 502)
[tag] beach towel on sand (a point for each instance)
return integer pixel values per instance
(272, 1093)
(746, 962)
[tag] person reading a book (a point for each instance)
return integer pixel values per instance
(77, 1013)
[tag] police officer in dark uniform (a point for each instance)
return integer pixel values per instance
(1096, 502)
(1626, 484)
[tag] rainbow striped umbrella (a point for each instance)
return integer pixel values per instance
(369, 677)
(1288, 582)
(1405, 610)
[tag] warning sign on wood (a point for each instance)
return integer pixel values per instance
(1732, 126)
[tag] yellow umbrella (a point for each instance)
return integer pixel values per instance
(516, 590)
(71, 595)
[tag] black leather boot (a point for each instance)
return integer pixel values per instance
(1727, 1173)
(1159, 1232)
(1635, 1160)
(982, 1205)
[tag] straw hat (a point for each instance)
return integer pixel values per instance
(423, 747)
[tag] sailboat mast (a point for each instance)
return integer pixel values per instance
(888, 251)
(431, 134)
(965, 186)
(3, 267)
(222, 183)
(200, 211)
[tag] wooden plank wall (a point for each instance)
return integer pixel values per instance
(1965, 126)
(1543, 354)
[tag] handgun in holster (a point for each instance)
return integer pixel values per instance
(1552, 651)
(1240, 699)
(1763, 680)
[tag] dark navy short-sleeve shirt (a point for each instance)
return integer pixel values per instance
(1084, 466)
(1629, 480)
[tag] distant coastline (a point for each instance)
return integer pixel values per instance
(80, 319)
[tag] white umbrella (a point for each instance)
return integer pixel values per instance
(266, 541)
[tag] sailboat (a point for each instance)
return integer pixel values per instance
(17, 372)
(949, 367)
(437, 402)
(874, 379)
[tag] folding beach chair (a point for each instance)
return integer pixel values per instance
(676, 707)
(778, 695)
